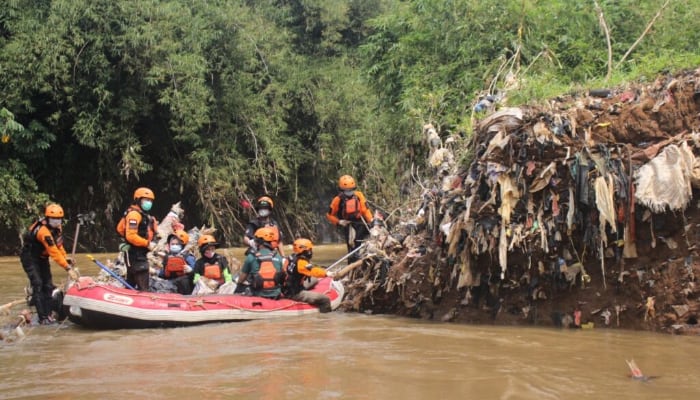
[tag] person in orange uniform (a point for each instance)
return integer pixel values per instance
(300, 270)
(263, 210)
(348, 210)
(211, 265)
(263, 271)
(139, 230)
(44, 239)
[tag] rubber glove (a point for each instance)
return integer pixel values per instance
(343, 222)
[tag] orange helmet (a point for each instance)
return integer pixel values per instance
(302, 245)
(180, 234)
(346, 182)
(206, 240)
(144, 192)
(264, 201)
(267, 234)
(54, 211)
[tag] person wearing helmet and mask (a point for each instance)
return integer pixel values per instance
(264, 269)
(179, 262)
(263, 211)
(349, 212)
(299, 271)
(44, 239)
(138, 228)
(211, 265)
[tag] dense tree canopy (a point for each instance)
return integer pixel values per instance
(215, 102)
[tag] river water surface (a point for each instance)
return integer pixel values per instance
(338, 356)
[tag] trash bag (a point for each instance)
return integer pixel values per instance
(160, 285)
(227, 288)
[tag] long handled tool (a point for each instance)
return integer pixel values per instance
(112, 273)
(83, 219)
(75, 238)
(335, 264)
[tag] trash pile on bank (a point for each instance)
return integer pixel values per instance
(579, 213)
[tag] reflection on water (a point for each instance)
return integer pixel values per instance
(342, 356)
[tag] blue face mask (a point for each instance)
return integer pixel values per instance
(175, 248)
(146, 205)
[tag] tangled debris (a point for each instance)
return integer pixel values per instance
(577, 213)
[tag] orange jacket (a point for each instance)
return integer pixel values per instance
(133, 221)
(53, 245)
(305, 268)
(335, 214)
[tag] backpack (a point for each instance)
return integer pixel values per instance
(267, 276)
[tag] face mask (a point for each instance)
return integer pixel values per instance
(146, 205)
(264, 212)
(55, 222)
(348, 193)
(209, 253)
(175, 248)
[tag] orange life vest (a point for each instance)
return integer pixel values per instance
(30, 238)
(213, 271)
(267, 277)
(147, 222)
(175, 266)
(350, 208)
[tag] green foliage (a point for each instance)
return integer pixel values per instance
(214, 102)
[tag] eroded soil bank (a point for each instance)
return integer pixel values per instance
(579, 213)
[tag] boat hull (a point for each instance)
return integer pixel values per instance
(99, 306)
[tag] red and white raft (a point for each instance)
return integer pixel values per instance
(101, 306)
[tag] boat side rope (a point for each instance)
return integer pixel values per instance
(201, 302)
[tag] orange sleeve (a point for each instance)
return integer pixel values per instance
(366, 213)
(56, 252)
(133, 219)
(314, 272)
(331, 216)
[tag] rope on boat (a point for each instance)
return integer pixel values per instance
(197, 302)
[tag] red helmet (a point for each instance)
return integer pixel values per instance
(144, 192)
(346, 182)
(54, 211)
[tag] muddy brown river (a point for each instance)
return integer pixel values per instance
(338, 356)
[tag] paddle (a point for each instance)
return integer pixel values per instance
(109, 271)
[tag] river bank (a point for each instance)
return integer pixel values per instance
(578, 213)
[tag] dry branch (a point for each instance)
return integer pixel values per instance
(651, 23)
